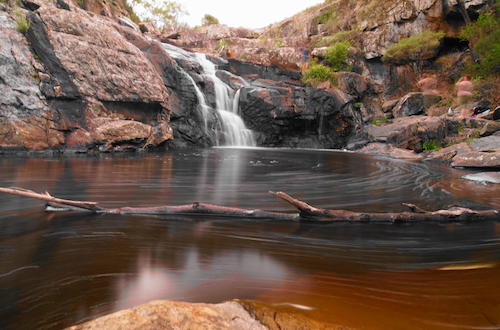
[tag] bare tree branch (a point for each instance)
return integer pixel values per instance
(306, 211)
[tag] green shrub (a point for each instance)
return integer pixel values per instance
(22, 22)
(415, 48)
(379, 121)
(336, 56)
(133, 16)
(484, 37)
(222, 45)
(327, 16)
(209, 20)
(431, 145)
(339, 36)
(318, 73)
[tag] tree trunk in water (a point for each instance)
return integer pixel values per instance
(306, 211)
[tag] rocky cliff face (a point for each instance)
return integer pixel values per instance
(77, 80)
(82, 84)
(92, 80)
(374, 24)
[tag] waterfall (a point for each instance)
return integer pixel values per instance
(232, 130)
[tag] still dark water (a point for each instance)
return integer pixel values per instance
(60, 269)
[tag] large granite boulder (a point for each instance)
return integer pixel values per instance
(447, 153)
(412, 132)
(83, 72)
(176, 315)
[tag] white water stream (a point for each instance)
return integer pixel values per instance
(232, 131)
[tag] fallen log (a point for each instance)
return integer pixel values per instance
(306, 212)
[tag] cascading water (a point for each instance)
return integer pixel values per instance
(232, 130)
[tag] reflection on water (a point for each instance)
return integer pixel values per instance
(59, 269)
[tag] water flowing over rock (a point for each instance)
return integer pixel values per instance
(91, 79)
(277, 109)
(220, 119)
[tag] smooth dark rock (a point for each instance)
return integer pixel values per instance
(296, 117)
(414, 104)
(61, 4)
(30, 5)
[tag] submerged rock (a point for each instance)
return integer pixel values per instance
(484, 177)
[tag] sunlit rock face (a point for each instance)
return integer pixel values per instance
(82, 74)
(375, 23)
(177, 315)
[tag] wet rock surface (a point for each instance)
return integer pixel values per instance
(297, 116)
(484, 177)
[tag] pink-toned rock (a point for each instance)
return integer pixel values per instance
(33, 133)
(100, 61)
(411, 132)
(114, 131)
(176, 315)
(478, 159)
(449, 152)
(488, 143)
(79, 138)
(390, 151)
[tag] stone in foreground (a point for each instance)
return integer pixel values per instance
(176, 315)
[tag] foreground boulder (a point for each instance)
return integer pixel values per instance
(237, 314)
(176, 315)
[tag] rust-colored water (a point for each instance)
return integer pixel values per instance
(60, 269)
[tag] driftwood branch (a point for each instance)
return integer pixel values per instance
(306, 211)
